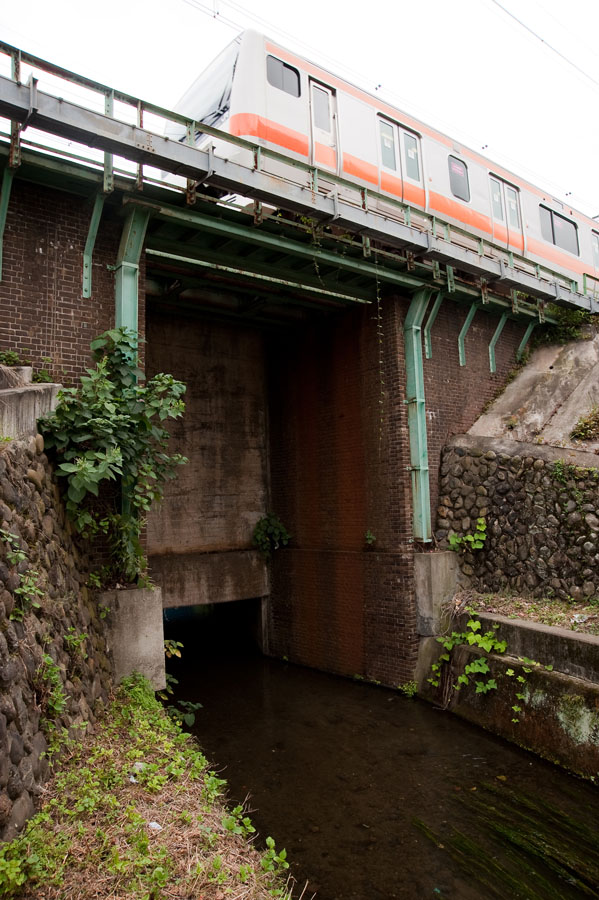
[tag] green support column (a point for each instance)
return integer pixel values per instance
(7, 179)
(428, 346)
(90, 243)
(127, 268)
(494, 339)
(463, 333)
(421, 505)
(525, 340)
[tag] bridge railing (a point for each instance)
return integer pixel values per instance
(451, 243)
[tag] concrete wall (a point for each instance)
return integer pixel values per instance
(558, 714)
(199, 538)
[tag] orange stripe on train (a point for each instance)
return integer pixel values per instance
(252, 125)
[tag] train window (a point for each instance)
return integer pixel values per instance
(496, 199)
(559, 230)
(387, 144)
(322, 115)
(595, 242)
(282, 76)
(411, 156)
(458, 179)
(511, 201)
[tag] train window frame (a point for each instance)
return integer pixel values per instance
(512, 207)
(394, 143)
(595, 248)
(496, 199)
(459, 188)
(275, 67)
(549, 218)
(414, 159)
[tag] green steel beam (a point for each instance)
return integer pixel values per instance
(90, 243)
(108, 157)
(464, 331)
(231, 270)
(421, 506)
(529, 330)
(278, 243)
(127, 268)
(494, 340)
(428, 347)
(7, 180)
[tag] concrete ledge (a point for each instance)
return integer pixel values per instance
(559, 715)
(137, 634)
(507, 447)
(188, 579)
(21, 407)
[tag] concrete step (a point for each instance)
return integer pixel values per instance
(21, 407)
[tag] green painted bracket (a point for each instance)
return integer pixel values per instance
(7, 179)
(529, 330)
(463, 333)
(127, 268)
(494, 340)
(108, 159)
(428, 347)
(88, 252)
(421, 506)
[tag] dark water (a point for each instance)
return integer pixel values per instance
(377, 796)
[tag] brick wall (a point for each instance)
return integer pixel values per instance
(43, 312)
(455, 395)
(337, 461)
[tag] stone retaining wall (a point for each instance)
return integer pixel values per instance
(541, 506)
(63, 638)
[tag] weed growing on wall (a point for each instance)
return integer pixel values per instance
(474, 541)
(270, 534)
(587, 427)
(28, 593)
(110, 429)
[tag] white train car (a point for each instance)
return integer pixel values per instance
(257, 90)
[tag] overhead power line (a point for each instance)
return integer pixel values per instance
(546, 43)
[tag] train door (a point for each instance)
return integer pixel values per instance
(507, 217)
(323, 120)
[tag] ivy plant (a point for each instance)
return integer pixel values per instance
(111, 429)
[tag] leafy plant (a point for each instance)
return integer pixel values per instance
(567, 327)
(110, 429)
(50, 691)
(369, 537)
(408, 688)
(10, 358)
(28, 592)
(270, 534)
(587, 427)
(475, 541)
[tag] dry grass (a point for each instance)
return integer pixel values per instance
(577, 616)
(135, 813)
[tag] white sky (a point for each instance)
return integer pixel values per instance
(463, 66)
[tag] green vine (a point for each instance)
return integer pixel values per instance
(478, 669)
(110, 429)
(474, 541)
(28, 592)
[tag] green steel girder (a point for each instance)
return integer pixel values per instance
(428, 347)
(231, 270)
(421, 506)
(463, 333)
(494, 339)
(522, 346)
(90, 243)
(127, 268)
(7, 180)
(278, 242)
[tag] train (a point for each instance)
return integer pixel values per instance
(260, 91)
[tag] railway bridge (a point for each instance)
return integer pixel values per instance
(331, 340)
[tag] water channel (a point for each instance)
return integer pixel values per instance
(377, 796)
